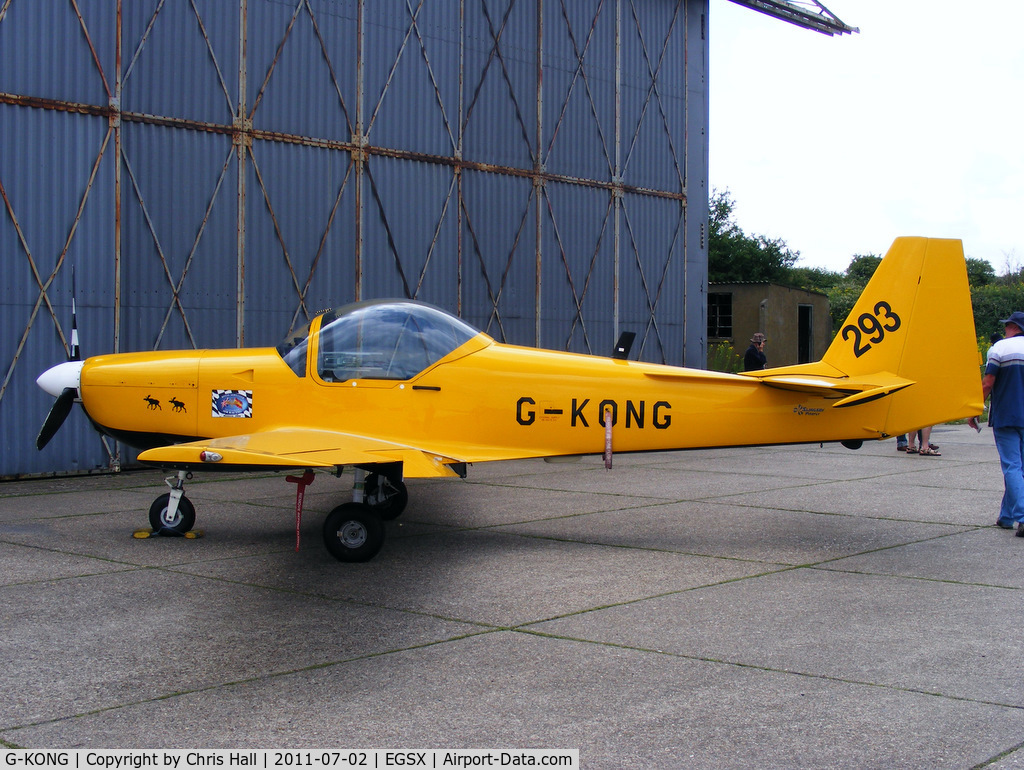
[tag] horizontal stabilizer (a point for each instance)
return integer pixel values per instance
(871, 395)
(849, 390)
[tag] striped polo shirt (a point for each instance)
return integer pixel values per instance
(1006, 362)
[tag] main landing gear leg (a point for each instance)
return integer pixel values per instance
(173, 513)
(354, 532)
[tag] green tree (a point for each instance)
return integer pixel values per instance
(980, 272)
(862, 267)
(735, 256)
(811, 278)
(993, 302)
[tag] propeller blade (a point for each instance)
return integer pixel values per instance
(75, 354)
(58, 413)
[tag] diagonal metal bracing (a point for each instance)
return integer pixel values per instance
(578, 297)
(277, 57)
(392, 247)
(44, 285)
(280, 235)
(809, 14)
(213, 56)
(394, 68)
(177, 287)
(494, 294)
(495, 54)
(436, 235)
(330, 68)
(299, 7)
(39, 282)
(653, 298)
(412, 29)
(653, 93)
(142, 42)
(175, 298)
(301, 310)
(92, 48)
(430, 71)
(580, 73)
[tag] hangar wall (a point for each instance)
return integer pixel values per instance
(217, 172)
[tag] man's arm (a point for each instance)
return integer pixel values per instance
(986, 385)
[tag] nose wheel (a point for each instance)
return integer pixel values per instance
(172, 513)
(164, 521)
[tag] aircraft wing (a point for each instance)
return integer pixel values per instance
(294, 448)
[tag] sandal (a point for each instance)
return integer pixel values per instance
(929, 452)
(911, 450)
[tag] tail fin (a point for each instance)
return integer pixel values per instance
(914, 320)
(908, 346)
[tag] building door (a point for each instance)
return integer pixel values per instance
(804, 344)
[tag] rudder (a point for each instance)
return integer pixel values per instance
(914, 319)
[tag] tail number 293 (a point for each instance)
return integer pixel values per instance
(870, 329)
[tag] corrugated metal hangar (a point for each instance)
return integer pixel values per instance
(217, 172)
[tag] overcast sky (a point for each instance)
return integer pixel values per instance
(837, 145)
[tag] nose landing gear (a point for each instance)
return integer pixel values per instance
(172, 513)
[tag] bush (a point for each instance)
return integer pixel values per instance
(722, 358)
(993, 302)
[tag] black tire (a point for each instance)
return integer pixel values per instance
(387, 498)
(184, 518)
(353, 532)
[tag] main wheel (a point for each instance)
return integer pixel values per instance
(387, 498)
(183, 521)
(353, 532)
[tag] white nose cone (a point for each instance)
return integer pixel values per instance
(56, 378)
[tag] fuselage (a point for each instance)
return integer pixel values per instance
(482, 401)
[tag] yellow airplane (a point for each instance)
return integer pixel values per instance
(399, 389)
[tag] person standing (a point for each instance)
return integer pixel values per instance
(755, 358)
(1004, 381)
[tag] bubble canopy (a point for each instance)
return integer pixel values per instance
(381, 340)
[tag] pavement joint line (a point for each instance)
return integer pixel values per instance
(919, 578)
(651, 549)
(332, 599)
(140, 485)
(999, 757)
(250, 680)
(661, 595)
(866, 516)
(961, 529)
(784, 671)
(129, 564)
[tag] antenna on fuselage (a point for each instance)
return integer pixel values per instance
(623, 346)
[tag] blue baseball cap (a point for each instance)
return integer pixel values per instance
(1016, 318)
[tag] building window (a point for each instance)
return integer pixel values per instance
(719, 315)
